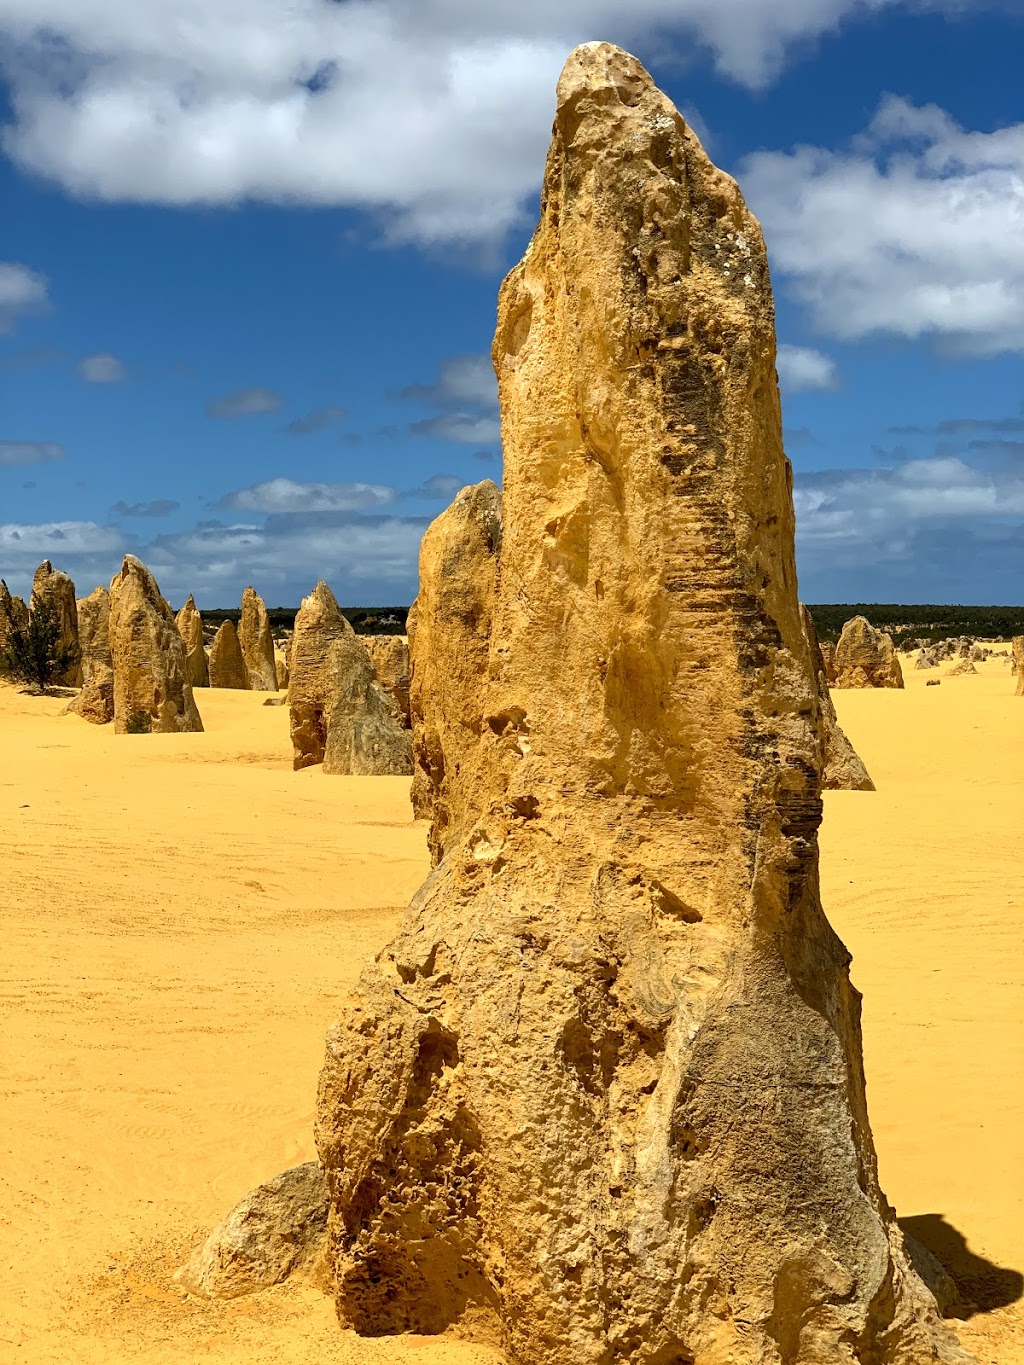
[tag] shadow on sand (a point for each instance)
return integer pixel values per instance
(983, 1286)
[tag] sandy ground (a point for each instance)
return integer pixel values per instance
(183, 915)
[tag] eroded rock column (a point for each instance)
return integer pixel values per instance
(604, 1091)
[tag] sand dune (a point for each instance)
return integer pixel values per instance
(183, 915)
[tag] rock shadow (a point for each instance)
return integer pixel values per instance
(983, 1285)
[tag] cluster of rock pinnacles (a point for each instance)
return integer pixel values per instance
(603, 1095)
(138, 665)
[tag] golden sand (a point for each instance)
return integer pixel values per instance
(183, 915)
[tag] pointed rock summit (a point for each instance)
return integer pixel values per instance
(190, 628)
(866, 657)
(604, 1091)
(152, 692)
(257, 643)
(227, 663)
(56, 590)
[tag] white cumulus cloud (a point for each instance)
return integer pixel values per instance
(285, 495)
(435, 112)
(916, 230)
(801, 368)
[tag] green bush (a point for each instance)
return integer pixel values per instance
(34, 653)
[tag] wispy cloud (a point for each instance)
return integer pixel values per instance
(316, 420)
(22, 292)
(467, 394)
(248, 402)
(30, 452)
(159, 507)
(101, 368)
(285, 495)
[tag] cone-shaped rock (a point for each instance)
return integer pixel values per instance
(95, 702)
(605, 1088)
(58, 592)
(1018, 662)
(257, 643)
(227, 663)
(151, 687)
(841, 767)
(389, 655)
(340, 714)
(449, 642)
(318, 624)
(190, 628)
(866, 657)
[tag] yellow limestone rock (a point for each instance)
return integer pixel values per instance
(866, 657)
(604, 1091)
(227, 663)
(449, 642)
(152, 692)
(340, 714)
(389, 655)
(190, 628)
(95, 702)
(56, 589)
(257, 643)
(1018, 662)
(842, 768)
(13, 617)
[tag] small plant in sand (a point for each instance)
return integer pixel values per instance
(35, 654)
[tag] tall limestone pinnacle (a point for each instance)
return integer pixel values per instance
(604, 1091)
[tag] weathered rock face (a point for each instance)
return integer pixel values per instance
(281, 672)
(340, 714)
(13, 618)
(1018, 662)
(366, 734)
(449, 642)
(866, 657)
(95, 702)
(389, 655)
(841, 768)
(605, 1088)
(190, 628)
(58, 592)
(277, 1229)
(226, 663)
(318, 624)
(257, 643)
(959, 670)
(152, 692)
(828, 658)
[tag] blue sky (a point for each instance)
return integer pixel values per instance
(250, 252)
